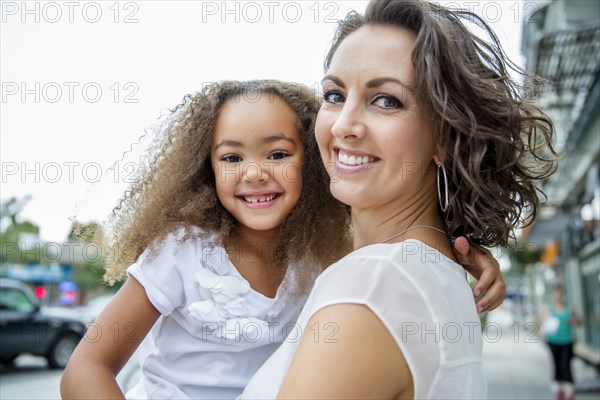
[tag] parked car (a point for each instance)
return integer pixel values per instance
(94, 307)
(26, 328)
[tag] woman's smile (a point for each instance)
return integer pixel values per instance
(349, 161)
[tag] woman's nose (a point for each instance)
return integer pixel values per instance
(349, 122)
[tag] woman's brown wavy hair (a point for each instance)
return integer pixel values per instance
(497, 144)
(177, 188)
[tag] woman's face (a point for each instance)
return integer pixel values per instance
(375, 141)
(558, 295)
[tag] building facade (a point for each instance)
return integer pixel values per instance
(561, 42)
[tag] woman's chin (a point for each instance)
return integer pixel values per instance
(350, 196)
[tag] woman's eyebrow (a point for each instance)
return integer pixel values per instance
(334, 79)
(373, 83)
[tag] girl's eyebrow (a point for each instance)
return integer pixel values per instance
(277, 137)
(269, 139)
(231, 143)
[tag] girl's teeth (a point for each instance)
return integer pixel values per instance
(354, 160)
(259, 199)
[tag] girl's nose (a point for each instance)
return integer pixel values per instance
(253, 172)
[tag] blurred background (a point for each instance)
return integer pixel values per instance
(81, 81)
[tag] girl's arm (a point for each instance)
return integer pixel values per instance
(363, 362)
(108, 344)
(483, 266)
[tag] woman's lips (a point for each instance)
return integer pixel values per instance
(353, 161)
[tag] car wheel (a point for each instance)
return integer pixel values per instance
(61, 351)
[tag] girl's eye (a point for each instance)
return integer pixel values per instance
(278, 155)
(231, 159)
(333, 97)
(386, 101)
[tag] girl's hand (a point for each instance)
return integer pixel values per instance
(480, 263)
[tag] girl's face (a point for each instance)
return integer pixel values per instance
(257, 155)
(370, 130)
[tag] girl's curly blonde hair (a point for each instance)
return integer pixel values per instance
(177, 188)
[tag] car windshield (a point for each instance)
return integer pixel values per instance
(13, 299)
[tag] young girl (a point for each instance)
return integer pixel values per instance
(229, 225)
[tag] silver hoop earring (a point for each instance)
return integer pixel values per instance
(443, 199)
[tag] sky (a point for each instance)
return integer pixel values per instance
(81, 80)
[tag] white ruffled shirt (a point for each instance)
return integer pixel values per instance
(424, 301)
(214, 331)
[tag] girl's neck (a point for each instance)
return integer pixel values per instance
(258, 246)
(253, 255)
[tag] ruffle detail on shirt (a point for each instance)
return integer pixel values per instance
(225, 305)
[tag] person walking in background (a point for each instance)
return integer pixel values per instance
(559, 336)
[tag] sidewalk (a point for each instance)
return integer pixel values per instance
(518, 365)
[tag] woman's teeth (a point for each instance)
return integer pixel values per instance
(354, 160)
(259, 199)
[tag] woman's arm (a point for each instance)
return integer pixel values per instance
(480, 263)
(108, 344)
(575, 319)
(542, 316)
(362, 360)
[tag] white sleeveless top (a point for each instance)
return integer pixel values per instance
(425, 302)
(214, 331)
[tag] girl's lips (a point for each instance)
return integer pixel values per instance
(259, 200)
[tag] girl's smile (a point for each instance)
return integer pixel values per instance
(257, 159)
(259, 199)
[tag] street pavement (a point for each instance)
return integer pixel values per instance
(518, 365)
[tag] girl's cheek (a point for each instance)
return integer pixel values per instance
(294, 174)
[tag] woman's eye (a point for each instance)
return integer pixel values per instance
(231, 159)
(333, 97)
(278, 155)
(388, 102)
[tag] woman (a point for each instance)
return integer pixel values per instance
(560, 340)
(429, 139)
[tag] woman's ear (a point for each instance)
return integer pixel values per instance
(439, 156)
